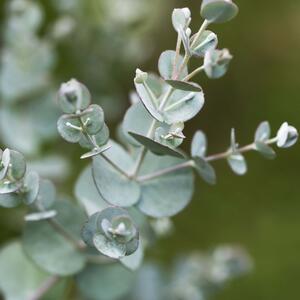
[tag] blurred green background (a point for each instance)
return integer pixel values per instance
(260, 211)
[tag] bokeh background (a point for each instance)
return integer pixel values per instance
(102, 42)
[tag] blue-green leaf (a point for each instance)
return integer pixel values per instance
(199, 144)
(155, 147)
(166, 65)
(237, 163)
(263, 132)
(205, 170)
(218, 11)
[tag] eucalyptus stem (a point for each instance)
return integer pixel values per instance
(194, 73)
(243, 149)
(186, 164)
(191, 163)
(44, 288)
(178, 47)
(200, 31)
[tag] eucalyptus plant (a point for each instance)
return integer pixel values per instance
(130, 189)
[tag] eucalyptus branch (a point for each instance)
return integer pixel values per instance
(194, 73)
(44, 288)
(240, 150)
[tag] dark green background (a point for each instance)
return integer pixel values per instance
(260, 211)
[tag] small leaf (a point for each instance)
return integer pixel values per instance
(237, 163)
(31, 184)
(184, 86)
(166, 65)
(93, 119)
(216, 62)
(199, 144)
(183, 106)
(263, 132)
(109, 248)
(155, 147)
(205, 170)
(233, 143)
(73, 96)
(17, 164)
(287, 136)
(69, 127)
(218, 11)
(38, 216)
(181, 18)
(265, 150)
(100, 139)
(207, 41)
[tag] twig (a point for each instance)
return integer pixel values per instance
(44, 288)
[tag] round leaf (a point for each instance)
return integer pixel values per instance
(166, 195)
(73, 96)
(218, 11)
(166, 65)
(47, 194)
(101, 138)
(50, 250)
(69, 127)
(93, 118)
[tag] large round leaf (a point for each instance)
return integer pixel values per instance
(10, 200)
(113, 186)
(105, 282)
(87, 193)
(166, 195)
(49, 249)
(19, 278)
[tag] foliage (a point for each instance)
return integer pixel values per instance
(131, 187)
